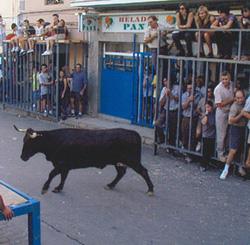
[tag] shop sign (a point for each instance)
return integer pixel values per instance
(88, 23)
(133, 23)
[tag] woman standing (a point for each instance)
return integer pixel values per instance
(64, 94)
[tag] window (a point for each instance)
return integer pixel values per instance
(48, 2)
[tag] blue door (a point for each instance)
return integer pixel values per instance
(117, 87)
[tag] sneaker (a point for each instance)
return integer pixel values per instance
(16, 49)
(224, 174)
(22, 52)
(72, 113)
(13, 50)
(30, 51)
(198, 147)
(79, 114)
(45, 113)
(49, 52)
(45, 53)
(50, 112)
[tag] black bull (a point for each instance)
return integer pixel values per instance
(79, 148)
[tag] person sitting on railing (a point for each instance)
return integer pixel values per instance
(28, 30)
(39, 31)
(7, 212)
(61, 33)
(185, 20)
(151, 38)
(18, 34)
(223, 97)
(224, 38)
(189, 98)
(237, 124)
(245, 24)
(204, 20)
(208, 134)
(168, 101)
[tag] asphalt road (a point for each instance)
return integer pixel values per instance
(189, 207)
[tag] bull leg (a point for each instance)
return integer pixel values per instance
(52, 174)
(144, 173)
(121, 170)
(64, 175)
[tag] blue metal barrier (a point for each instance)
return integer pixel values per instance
(32, 209)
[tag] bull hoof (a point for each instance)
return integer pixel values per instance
(108, 187)
(56, 190)
(44, 191)
(150, 193)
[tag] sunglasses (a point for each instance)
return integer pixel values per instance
(182, 8)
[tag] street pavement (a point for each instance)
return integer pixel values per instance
(189, 207)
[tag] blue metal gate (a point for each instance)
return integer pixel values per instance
(126, 88)
(117, 86)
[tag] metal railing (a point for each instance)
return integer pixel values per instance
(20, 86)
(179, 69)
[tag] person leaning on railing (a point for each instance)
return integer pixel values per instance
(185, 20)
(236, 133)
(245, 24)
(204, 20)
(246, 114)
(223, 97)
(151, 38)
(224, 38)
(190, 99)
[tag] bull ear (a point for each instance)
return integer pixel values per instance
(19, 129)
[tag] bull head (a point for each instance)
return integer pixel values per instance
(32, 134)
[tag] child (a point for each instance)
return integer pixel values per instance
(39, 34)
(7, 212)
(208, 134)
(18, 32)
(237, 124)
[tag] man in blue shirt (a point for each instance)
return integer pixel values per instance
(78, 87)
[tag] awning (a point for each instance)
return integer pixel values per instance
(115, 3)
(108, 4)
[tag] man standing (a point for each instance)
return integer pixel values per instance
(151, 38)
(190, 100)
(78, 87)
(223, 97)
(2, 30)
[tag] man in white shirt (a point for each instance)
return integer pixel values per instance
(151, 38)
(224, 97)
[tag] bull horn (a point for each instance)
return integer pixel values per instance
(19, 129)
